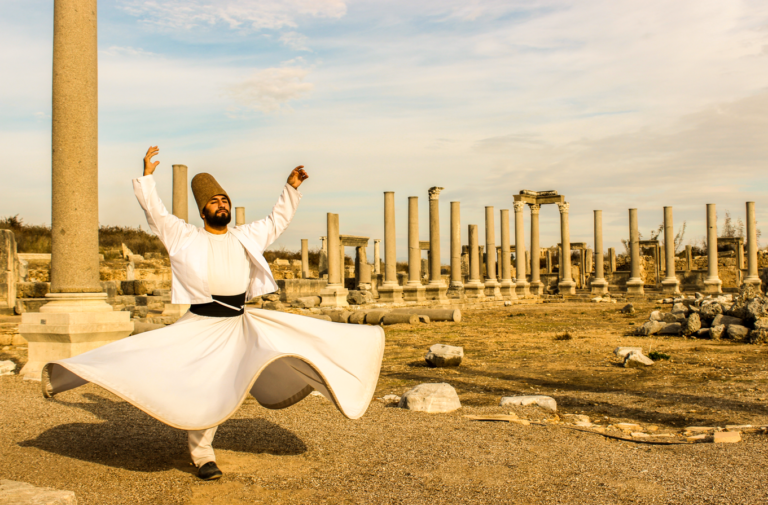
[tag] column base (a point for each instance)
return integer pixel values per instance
(334, 295)
(507, 289)
(713, 285)
(635, 286)
(474, 291)
(671, 286)
(456, 291)
(414, 292)
(437, 292)
(536, 288)
(69, 325)
(599, 287)
(522, 289)
(391, 293)
(753, 280)
(493, 290)
(567, 287)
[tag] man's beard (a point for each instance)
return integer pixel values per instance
(215, 219)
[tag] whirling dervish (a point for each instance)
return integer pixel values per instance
(194, 374)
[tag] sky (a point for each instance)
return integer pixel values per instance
(616, 105)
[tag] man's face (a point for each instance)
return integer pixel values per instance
(217, 211)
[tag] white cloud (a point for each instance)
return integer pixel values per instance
(295, 41)
(255, 14)
(269, 89)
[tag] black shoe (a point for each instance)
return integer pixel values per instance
(209, 471)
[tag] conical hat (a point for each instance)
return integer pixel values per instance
(205, 187)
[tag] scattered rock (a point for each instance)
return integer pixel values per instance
(679, 308)
(737, 332)
(621, 352)
(639, 434)
(7, 367)
(391, 399)
(726, 320)
(628, 309)
(650, 328)
(716, 332)
(21, 493)
(656, 315)
(692, 324)
(431, 398)
(576, 418)
(672, 329)
(400, 319)
(359, 297)
(375, 316)
(272, 297)
(307, 302)
(357, 317)
(703, 333)
(671, 318)
(440, 356)
(758, 336)
(710, 310)
(727, 437)
(637, 360)
(755, 309)
(273, 306)
(545, 402)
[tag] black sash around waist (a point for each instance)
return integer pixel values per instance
(221, 306)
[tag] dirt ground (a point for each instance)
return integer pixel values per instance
(108, 452)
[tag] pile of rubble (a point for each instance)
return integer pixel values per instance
(742, 318)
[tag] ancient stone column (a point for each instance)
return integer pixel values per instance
(536, 287)
(521, 284)
(376, 256)
(390, 291)
(304, 258)
(457, 284)
(414, 290)
(599, 284)
(669, 284)
(492, 290)
(688, 258)
(180, 203)
(323, 262)
(362, 269)
(239, 216)
(611, 259)
(712, 283)
(474, 289)
(752, 277)
(334, 294)
(77, 318)
(436, 289)
(567, 284)
(507, 287)
(635, 282)
(549, 261)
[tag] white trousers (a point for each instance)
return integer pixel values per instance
(200, 447)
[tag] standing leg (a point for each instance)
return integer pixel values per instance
(201, 450)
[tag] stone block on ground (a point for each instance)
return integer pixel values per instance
(637, 360)
(307, 302)
(656, 315)
(726, 320)
(621, 352)
(21, 493)
(450, 315)
(271, 297)
(673, 317)
(273, 306)
(400, 319)
(441, 355)
(359, 297)
(545, 402)
(716, 332)
(650, 328)
(672, 329)
(727, 437)
(703, 333)
(628, 309)
(432, 398)
(357, 317)
(7, 367)
(374, 317)
(710, 310)
(737, 332)
(692, 324)
(679, 308)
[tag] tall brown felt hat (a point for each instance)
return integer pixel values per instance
(205, 187)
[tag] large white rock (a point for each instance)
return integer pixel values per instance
(431, 398)
(21, 493)
(441, 355)
(621, 352)
(7, 367)
(545, 402)
(637, 360)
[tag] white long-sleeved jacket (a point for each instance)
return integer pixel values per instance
(187, 244)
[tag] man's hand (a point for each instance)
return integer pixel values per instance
(149, 165)
(298, 175)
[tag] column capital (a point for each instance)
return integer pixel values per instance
(518, 207)
(434, 192)
(564, 207)
(376, 240)
(535, 208)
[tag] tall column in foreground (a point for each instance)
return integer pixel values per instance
(334, 294)
(180, 204)
(492, 290)
(390, 291)
(599, 284)
(376, 256)
(436, 289)
(304, 258)
(239, 216)
(536, 287)
(752, 277)
(507, 287)
(414, 290)
(456, 288)
(521, 284)
(670, 284)
(712, 282)
(567, 284)
(77, 318)
(474, 289)
(635, 282)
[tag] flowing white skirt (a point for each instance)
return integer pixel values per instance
(194, 374)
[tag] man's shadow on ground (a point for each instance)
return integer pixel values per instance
(133, 440)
